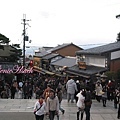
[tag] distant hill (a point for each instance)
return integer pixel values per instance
(31, 50)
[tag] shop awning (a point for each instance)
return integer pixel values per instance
(50, 73)
(90, 70)
(42, 71)
(77, 74)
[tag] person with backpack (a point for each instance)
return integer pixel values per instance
(39, 109)
(88, 103)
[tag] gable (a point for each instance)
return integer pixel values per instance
(63, 46)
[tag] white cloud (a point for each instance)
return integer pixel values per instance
(55, 22)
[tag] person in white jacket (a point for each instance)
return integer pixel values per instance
(80, 104)
(39, 109)
(98, 89)
(71, 88)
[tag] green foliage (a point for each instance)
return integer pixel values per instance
(16, 45)
(110, 75)
(4, 39)
(118, 74)
(113, 75)
(16, 53)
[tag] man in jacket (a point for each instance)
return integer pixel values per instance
(71, 88)
(118, 115)
(88, 102)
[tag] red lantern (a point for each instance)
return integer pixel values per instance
(31, 63)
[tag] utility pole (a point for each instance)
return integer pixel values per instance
(25, 38)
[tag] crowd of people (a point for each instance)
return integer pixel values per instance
(49, 91)
(109, 91)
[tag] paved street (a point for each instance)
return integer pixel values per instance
(22, 109)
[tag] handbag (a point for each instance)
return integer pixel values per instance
(37, 109)
(89, 103)
(82, 107)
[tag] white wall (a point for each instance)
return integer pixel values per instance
(95, 60)
(115, 55)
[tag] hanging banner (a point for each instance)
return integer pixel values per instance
(16, 69)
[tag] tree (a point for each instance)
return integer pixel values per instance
(118, 75)
(118, 36)
(16, 53)
(4, 39)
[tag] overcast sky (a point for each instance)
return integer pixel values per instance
(54, 22)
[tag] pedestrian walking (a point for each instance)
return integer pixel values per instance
(40, 109)
(59, 94)
(118, 115)
(98, 90)
(116, 98)
(4, 94)
(30, 90)
(111, 89)
(20, 93)
(80, 104)
(52, 105)
(78, 90)
(104, 96)
(46, 92)
(13, 91)
(88, 103)
(71, 88)
(25, 90)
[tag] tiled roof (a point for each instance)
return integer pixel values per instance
(41, 54)
(61, 46)
(47, 48)
(50, 56)
(91, 70)
(65, 62)
(101, 49)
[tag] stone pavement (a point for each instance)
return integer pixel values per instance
(98, 112)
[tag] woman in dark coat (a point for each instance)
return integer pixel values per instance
(13, 90)
(118, 116)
